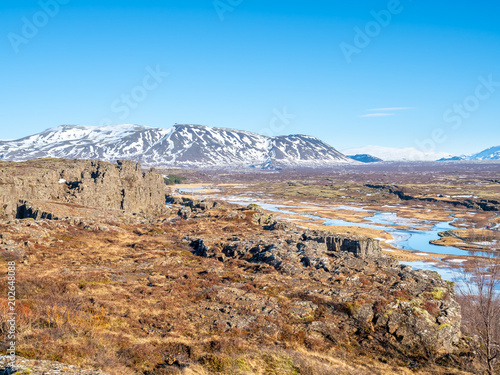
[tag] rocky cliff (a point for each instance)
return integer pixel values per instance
(122, 186)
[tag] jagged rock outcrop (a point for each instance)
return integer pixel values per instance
(417, 310)
(286, 251)
(358, 245)
(122, 186)
(26, 210)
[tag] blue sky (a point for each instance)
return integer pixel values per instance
(389, 73)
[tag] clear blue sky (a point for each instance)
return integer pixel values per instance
(239, 65)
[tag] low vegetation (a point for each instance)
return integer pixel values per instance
(173, 179)
(132, 298)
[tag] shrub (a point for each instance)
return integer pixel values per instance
(173, 179)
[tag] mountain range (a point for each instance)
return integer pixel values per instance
(365, 158)
(413, 154)
(181, 146)
(197, 146)
(492, 153)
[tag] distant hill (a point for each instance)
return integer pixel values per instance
(365, 158)
(453, 158)
(187, 146)
(397, 154)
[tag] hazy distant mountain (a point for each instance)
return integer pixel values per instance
(492, 153)
(191, 146)
(397, 154)
(365, 158)
(453, 158)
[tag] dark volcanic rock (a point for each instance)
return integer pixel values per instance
(357, 245)
(293, 251)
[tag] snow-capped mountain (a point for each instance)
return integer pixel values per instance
(492, 153)
(397, 154)
(188, 146)
(83, 142)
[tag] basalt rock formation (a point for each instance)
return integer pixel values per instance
(323, 241)
(284, 251)
(122, 186)
(358, 245)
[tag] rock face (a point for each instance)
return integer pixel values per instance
(285, 251)
(122, 186)
(26, 210)
(358, 245)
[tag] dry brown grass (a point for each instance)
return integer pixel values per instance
(128, 301)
